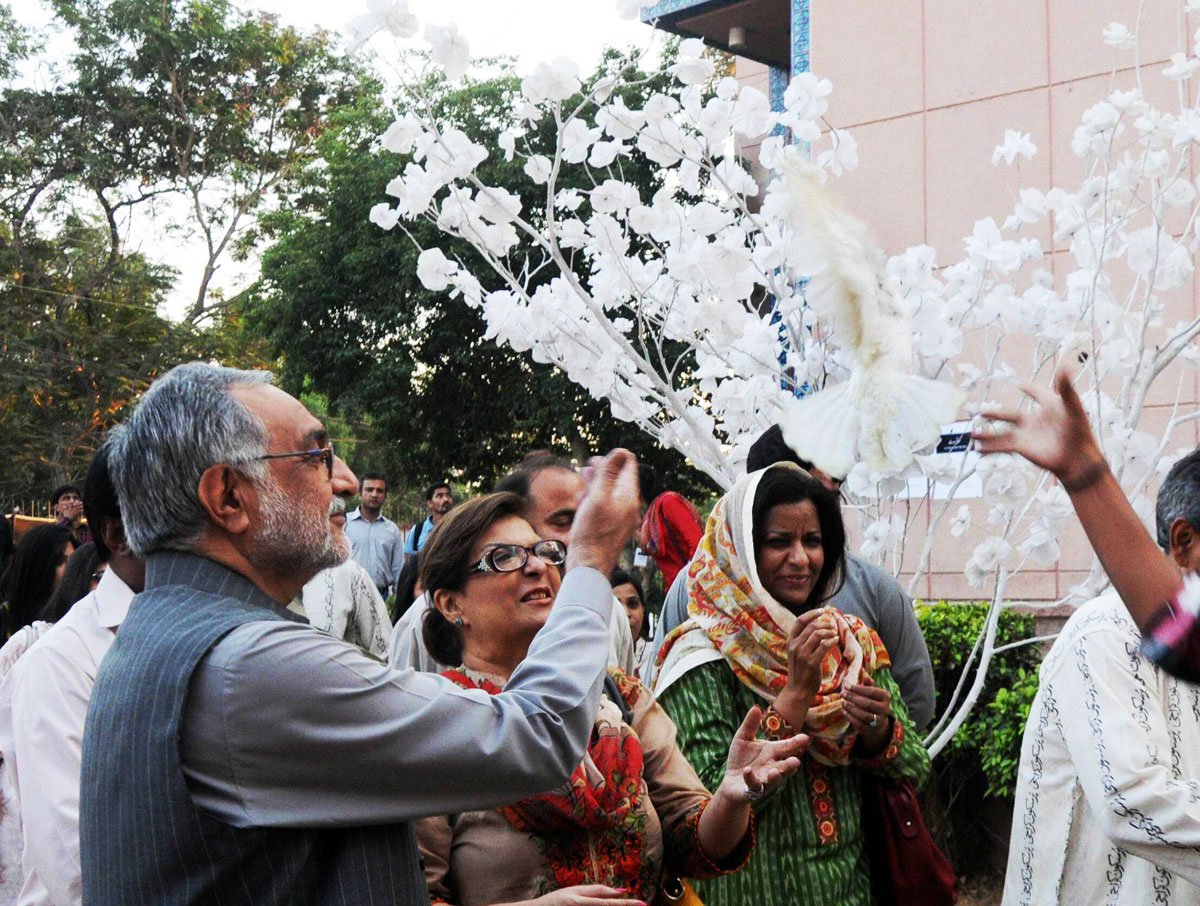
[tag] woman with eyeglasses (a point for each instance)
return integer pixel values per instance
(633, 808)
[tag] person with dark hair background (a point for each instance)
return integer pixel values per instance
(377, 544)
(408, 586)
(83, 573)
(628, 590)
(66, 502)
(44, 700)
(37, 568)
(439, 500)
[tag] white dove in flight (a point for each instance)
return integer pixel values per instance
(884, 412)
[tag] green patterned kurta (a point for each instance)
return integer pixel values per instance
(791, 866)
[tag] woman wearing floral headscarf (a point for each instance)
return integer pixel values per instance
(757, 633)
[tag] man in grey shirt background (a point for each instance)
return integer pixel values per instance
(233, 755)
(867, 592)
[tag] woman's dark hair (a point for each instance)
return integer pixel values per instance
(620, 577)
(650, 486)
(446, 559)
(788, 485)
(76, 583)
(406, 584)
(100, 501)
(29, 581)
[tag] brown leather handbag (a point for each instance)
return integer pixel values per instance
(907, 867)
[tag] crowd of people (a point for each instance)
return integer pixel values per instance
(205, 697)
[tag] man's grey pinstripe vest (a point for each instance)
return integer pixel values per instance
(141, 838)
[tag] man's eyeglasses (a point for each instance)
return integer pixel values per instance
(325, 454)
(507, 558)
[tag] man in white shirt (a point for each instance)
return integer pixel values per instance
(1107, 804)
(44, 700)
(344, 602)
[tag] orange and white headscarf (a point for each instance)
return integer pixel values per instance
(731, 616)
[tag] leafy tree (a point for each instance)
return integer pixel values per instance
(164, 98)
(341, 302)
(161, 100)
(70, 365)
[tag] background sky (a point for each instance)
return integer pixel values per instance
(530, 30)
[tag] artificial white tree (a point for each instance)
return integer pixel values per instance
(689, 310)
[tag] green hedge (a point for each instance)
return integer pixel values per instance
(990, 741)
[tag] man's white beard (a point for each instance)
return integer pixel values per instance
(291, 539)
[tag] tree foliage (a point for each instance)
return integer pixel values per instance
(193, 109)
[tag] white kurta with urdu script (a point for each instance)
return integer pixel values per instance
(1107, 804)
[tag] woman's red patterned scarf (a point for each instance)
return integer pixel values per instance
(591, 830)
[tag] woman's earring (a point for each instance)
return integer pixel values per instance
(458, 622)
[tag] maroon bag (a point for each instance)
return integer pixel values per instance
(907, 868)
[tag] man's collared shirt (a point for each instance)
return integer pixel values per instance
(1107, 807)
(43, 704)
(378, 547)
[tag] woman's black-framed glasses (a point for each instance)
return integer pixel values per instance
(507, 558)
(325, 454)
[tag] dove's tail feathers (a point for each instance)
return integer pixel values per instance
(881, 422)
(845, 292)
(823, 429)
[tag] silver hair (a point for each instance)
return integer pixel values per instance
(186, 422)
(1178, 498)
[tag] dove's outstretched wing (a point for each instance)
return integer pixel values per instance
(884, 412)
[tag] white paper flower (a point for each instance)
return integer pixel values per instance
(1016, 144)
(577, 140)
(752, 115)
(879, 538)
(390, 14)
(568, 199)
(507, 142)
(449, 49)
(1182, 66)
(1041, 545)
(613, 196)
(1117, 35)
(961, 521)
(692, 70)
(842, 156)
(498, 205)
(987, 558)
(604, 153)
(402, 134)
(555, 81)
(806, 96)
(384, 215)
(434, 270)
(537, 168)
(619, 121)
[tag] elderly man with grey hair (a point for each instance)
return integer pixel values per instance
(233, 755)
